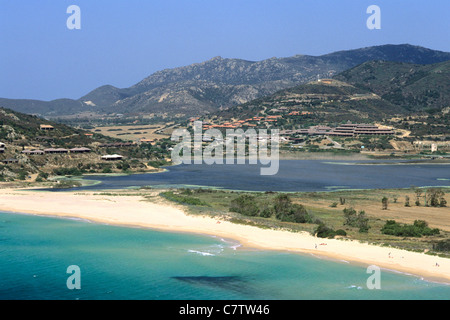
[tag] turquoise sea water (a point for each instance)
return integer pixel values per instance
(132, 263)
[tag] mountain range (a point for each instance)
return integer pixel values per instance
(221, 83)
(371, 91)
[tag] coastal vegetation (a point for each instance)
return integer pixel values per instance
(183, 197)
(418, 229)
(323, 231)
(359, 220)
(354, 214)
(282, 208)
(442, 246)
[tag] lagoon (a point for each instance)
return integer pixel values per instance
(293, 176)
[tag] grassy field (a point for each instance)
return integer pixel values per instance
(134, 132)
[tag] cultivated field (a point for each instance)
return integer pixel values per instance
(136, 132)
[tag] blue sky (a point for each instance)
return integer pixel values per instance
(123, 41)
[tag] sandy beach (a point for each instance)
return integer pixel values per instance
(136, 211)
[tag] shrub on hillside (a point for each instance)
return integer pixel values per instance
(245, 204)
(418, 229)
(287, 211)
(442, 246)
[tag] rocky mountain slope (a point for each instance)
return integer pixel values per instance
(372, 91)
(221, 83)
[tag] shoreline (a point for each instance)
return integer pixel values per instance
(135, 211)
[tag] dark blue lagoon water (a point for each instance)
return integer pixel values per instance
(293, 175)
(131, 263)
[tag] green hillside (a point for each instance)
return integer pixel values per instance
(410, 86)
(372, 91)
(327, 102)
(22, 134)
(25, 129)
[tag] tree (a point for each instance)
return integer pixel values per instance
(418, 229)
(363, 222)
(266, 212)
(350, 216)
(245, 204)
(435, 197)
(359, 220)
(282, 203)
(299, 214)
(443, 245)
(323, 231)
(384, 203)
(407, 201)
(287, 211)
(418, 195)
